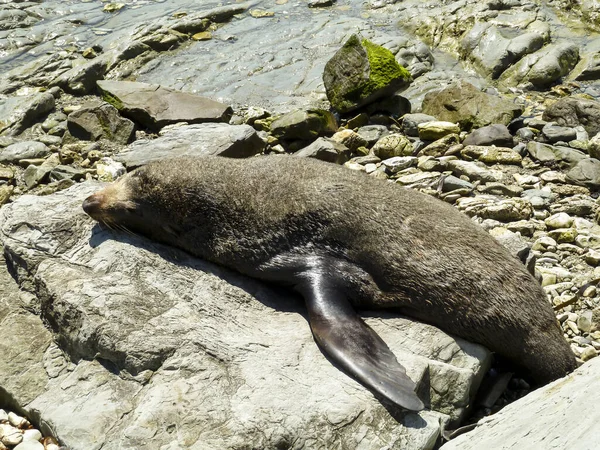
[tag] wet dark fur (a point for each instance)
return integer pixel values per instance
(400, 248)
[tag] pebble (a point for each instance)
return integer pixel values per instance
(32, 435)
(30, 445)
(559, 220)
(588, 353)
(17, 421)
(584, 321)
(10, 435)
(573, 326)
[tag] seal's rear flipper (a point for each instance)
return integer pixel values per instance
(351, 343)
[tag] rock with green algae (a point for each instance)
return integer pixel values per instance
(360, 73)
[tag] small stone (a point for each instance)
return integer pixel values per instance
(109, 170)
(452, 183)
(5, 192)
(30, 445)
(492, 155)
(442, 146)
(113, 7)
(304, 125)
(496, 134)
(592, 257)
(584, 322)
(410, 123)
(350, 139)
(17, 421)
(393, 145)
(553, 176)
(259, 13)
(398, 163)
(32, 435)
(23, 150)
(354, 166)
(372, 133)
(9, 435)
(588, 353)
(3, 416)
(319, 3)
(548, 279)
(421, 179)
(560, 220)
(554, 133)
(573, 326)
(325, 149)
(526, 180)
(202, 36)
(434, 130)
(563, 235)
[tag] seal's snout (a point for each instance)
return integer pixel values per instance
(92, 205)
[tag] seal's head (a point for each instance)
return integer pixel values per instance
(123, 205)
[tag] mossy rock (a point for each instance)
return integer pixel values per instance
(360, 73)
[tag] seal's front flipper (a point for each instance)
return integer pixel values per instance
(351, 343)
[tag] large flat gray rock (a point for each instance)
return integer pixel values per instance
(234, 141)
(148, 341)
(561, 415)
(155, 106)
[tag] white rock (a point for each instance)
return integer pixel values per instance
(584, 322)
(10, 435)
(559, 220)
(29, 445)
(560, 415)
(109, 170)
(3, 415)
(592, 257)
(17, 420)
(32, 435)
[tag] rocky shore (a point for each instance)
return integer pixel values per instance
(492, 107)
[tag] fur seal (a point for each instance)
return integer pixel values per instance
(346, 241)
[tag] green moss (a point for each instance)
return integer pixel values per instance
(384, 67)
(111, 99)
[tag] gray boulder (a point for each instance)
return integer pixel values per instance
(18, 113)
(586, 173)
(542, 68)
(304, 125)
(148, 338)
(326, 149)
(554, 133)
(574, 111)
(546, 153)
(234, 141)
(100, 121)
(155, 106)
(493, 49)
(496, 134)
(559, 413)
(463, 103)
(360, 73)
(23, 150)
